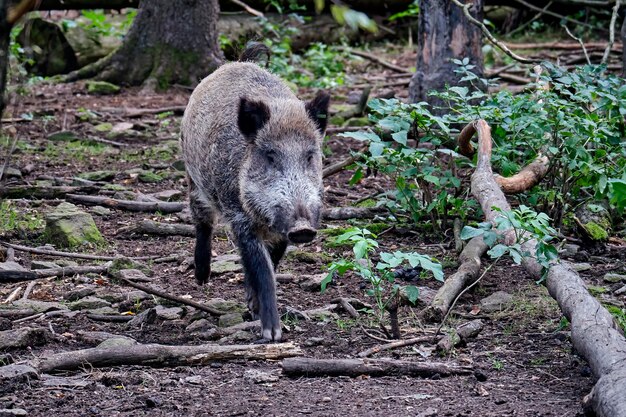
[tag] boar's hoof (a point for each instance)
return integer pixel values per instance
(273, 334)
(301, 233)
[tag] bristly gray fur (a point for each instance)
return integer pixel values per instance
(252, 151)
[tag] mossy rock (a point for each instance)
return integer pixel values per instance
(103, 127)
(114, 187)
(122, 263)
(63, 136)
(358, 122)
(370, 202)
(309, 257)
(595, 221)
(337, 120)
(98, 175)
(67, 226)
(102, 88)
(149, 176)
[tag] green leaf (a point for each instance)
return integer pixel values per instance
(498, 250)
(412, 293)
(327, 280)
(360, 249)
(400, 137)
(469, 232)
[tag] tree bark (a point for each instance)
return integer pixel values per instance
(170, 42)
(624, 48)
(444, 34)
(5, 31)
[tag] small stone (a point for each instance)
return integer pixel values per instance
(240, 336)
(17, 372)
(117, 342)
(194, 380)
(68, 226)
(260, 377)
(11, 266)
(35, 264)
(13, 412)
(57, 381)
(227, 306)
(101, 211)
(222, 267)
(171, 313)
(63, 136)
(199, 326)
(11, 172)
(89, 303)
(313, 341)
(137, 295)
(580, 267)
(98, 175)
(95, 338)
(22, 338)
(131, 275)
(39, 306)
(614, 278)
(101, 87)
(144, 318)
(104, 311)
(312, 282)
(621, 291)
(569, 250)
(496, 302)
(122, 263)
(122, 127)
(230, 319)
(326, 399)
(168, 195)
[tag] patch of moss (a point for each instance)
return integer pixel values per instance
(309, 257)
(596, 290)
(618, 313)
(370, 202)
(596, 231)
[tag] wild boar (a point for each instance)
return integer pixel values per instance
(252, 152)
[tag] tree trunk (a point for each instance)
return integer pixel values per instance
(170, 42)
(624, 47)
(5, 31)
(443, 34)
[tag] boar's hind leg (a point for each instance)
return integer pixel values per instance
(259, 280)
(277, 250)
(203, 216)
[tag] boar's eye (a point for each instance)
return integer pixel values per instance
(310, 156)
(271, 156)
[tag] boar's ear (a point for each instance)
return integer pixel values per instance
(318, 110)
(252, 117)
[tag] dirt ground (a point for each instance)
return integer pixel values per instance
(523, 360)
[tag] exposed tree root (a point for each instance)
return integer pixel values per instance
(595, 335)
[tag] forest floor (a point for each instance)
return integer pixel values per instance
(523, 361)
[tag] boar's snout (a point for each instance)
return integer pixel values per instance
(301, 232)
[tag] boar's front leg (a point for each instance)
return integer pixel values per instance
(277, 250)
(259, 281)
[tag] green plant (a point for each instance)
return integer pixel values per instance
(411, 12)
(526, 225)
(17, 220)
(381, 277)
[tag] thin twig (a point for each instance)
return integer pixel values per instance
(247, 8)
(394, 345)
(489, 36)
(72, 254)
(582, 45)
(560, 16)
(607, 51)
(376, 59)
(535, 17)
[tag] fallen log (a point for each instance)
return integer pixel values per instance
(162, 355)
(62, 254)
(345, 213)
(310, 367)
(130, 205)
(37, 192)
(150, 227)
(18, 276)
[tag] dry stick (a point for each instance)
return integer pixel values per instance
(130, 205)
(582, 45)
(17, 276)
(607, 51)
(135, 112)
(561, 45)
(175, 298)
(535, 17)
(489, 36)
(310, 367)
(162, 355)
(247, 8)
(8, 158)
(70, 254)
(376, 59)
(339, 166)
(13, 296)
(394, 345)
(538, 9)
(29, 289)
(151, 227)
